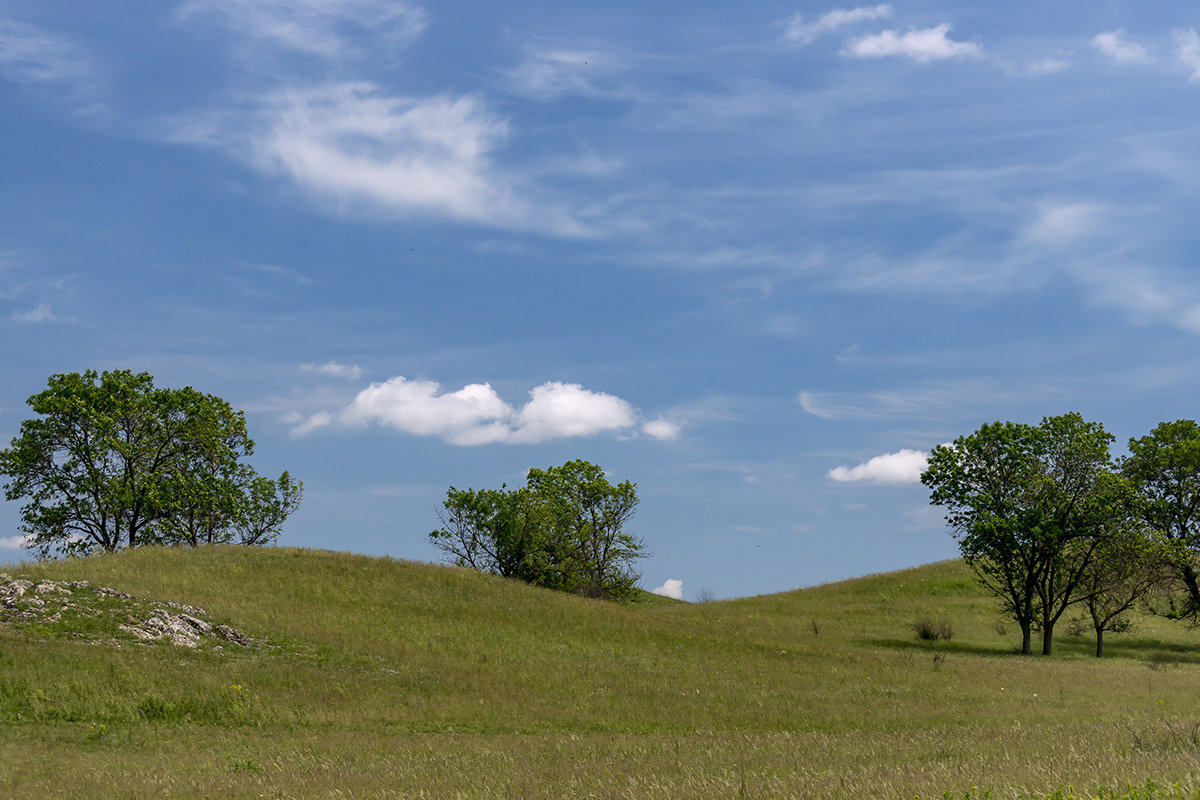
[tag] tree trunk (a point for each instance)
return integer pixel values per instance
(1026, 639)
(1099, 642)
(1193, 586)
(1047, 638)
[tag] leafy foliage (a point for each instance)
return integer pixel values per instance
(114, 461)
(1165, 466)
(564, 530)
(1029, 506)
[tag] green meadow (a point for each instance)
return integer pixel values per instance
(378, 678)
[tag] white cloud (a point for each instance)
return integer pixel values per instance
(1187, 45)
(936, 400)
(476, 415)
(30, 55)
(561, 410)
(1048, 66)
(546, 74)
(1065, 223)
(335, 370)
(662, 429)
(803, 32)
(359, 149)
(672, 588)
(924, 45)
(313, 27)
(15, 542)
(1121, 50)
(903, 466)
(40, 314)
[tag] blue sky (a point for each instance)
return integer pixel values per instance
(758, 259)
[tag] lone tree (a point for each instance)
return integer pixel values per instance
(1029, 506)
(563, 530)
(114, 461)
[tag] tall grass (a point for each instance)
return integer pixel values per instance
(384, 678)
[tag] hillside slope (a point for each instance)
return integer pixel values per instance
(378, 677)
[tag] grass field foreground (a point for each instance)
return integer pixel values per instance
(385, 678)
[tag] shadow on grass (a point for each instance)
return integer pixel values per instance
(1152, 651)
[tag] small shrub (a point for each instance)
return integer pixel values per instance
(928, 631)
(1077, 627)
(1159, 660)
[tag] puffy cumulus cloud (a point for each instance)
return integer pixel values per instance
(803, 32)
(563, 410)
(358, 149)
(1121, 50)
(904, 466)
(15, 542)
(671, 588)
(1187, 48)
(923, 45)
(334, 370)
(313, 27)
(476, 414)
(662, 429)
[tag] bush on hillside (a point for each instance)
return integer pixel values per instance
(563, 530)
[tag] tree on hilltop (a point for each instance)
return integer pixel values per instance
(113, 461)
(563, 530)
(1029, 505)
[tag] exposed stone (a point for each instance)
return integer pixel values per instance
(180, 624)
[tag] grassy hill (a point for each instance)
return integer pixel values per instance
(384, 678)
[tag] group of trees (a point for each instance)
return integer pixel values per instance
(1048, 520)
(114, 461)
(563, 530)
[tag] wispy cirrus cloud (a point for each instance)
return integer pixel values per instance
(1120, 49)
(802, 32)
(357, 149)
(930, 401)
(1187, 49)
(547, 73)
(323, 28)
(476, 414)
(41, 313)
(31, 55)
(922, 45)
(45, 61)
(334, 370)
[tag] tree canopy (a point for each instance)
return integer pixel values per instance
(563, 530)
(113, 461)
(1165, 467)
(1029, 506)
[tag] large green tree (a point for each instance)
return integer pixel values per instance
(113, 461)
(1029, 505)
(565, 529)
(1165, 468)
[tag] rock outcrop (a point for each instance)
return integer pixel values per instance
(58, 605)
